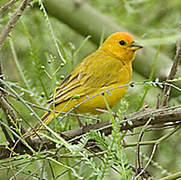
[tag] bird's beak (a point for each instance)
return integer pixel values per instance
(135, 46)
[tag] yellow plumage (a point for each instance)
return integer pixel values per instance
(110, 66)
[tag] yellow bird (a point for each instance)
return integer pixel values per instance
(108, 67)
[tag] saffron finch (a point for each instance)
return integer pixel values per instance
(108, 67)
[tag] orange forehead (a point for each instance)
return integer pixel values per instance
(122, 36)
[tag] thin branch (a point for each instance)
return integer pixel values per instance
(46, 109)
(62, 173)
(11, 119)
(5, 105)
(161, 116)
(173, 71)
(4, 152)
(168, 134)
(138, 164)
(172, 177)
(7, 136)
(7, 6)
(2, 93)
(147, 164)
(51, 170)
(13, 21)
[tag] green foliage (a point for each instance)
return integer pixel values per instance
(41, 51)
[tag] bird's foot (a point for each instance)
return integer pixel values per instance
(106, 111)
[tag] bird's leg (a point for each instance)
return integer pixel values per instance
(79, 122)
(106, 111)
(81, 125)
(143, 108)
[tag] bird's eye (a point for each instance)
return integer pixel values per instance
(122, 42)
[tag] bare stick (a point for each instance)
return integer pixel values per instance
(13, 21)
(5, 105)
(173, 71)
(46, 109)
(161, 116)
(6, 134)
(172, 176)
(151, 157)
(138, 164)
(7, 6)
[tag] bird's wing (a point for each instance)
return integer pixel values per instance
(93, 73)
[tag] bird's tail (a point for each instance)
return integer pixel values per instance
(46, 118)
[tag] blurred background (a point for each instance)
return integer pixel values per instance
(52, 37)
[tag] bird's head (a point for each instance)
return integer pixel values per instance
(121, 45)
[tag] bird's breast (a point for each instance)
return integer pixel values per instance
(111, 93)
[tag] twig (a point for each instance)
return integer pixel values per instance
(2, 93)
(173, 71)
(155, 146)
(7, 6)
(138, 165)
(172, 177)
(158, 101)
(62, 173)
(51, 170)
(13, 21)
(33, 172)
(147, 164)
(46, 109)
(5, 105)
(11, 119)
(168, 134)
(161, 116)
(158, 141)
(7, 136)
